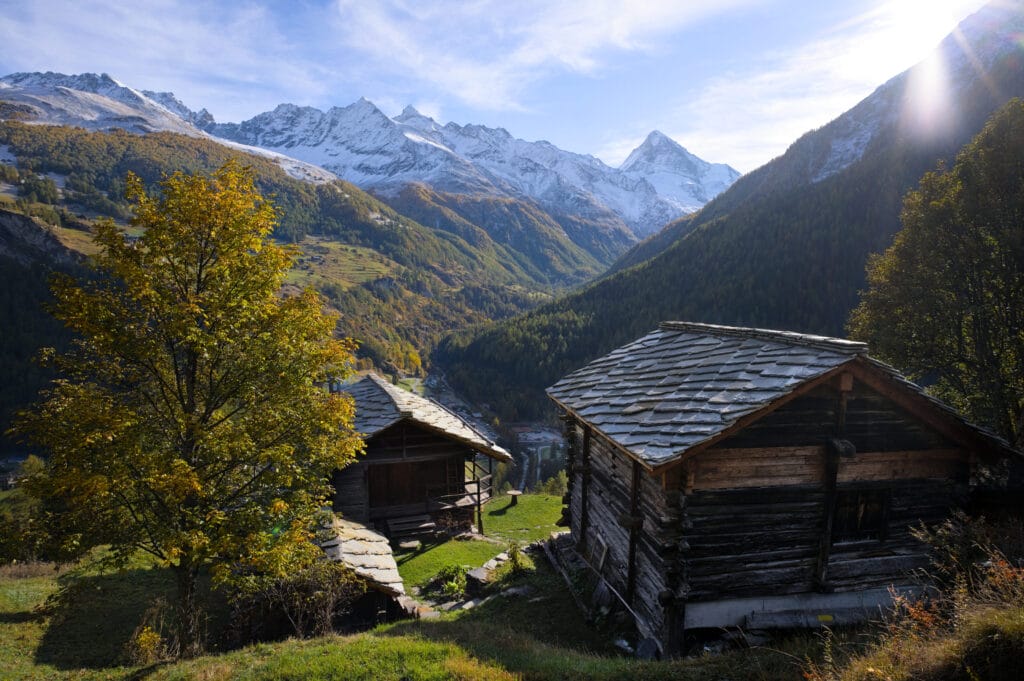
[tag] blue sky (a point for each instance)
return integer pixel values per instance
(734, 81)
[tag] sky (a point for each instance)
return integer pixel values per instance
(733, 81)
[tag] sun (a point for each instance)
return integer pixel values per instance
(918, 27)
(922, 24)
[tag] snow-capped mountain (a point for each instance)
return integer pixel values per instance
(98, 102)
(361, 144)
(659, 182)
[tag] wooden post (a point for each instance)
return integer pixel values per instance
(584, 489)
(832, 453)
(635, 523)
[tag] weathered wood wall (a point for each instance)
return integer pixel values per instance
(757, 504)
(402, 443)
(632, 541)
(753, 515)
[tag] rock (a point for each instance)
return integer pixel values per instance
(411, 545)
(477, 580)
(473, 602)
(648, 649)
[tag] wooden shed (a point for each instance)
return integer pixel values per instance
(423, 464)
(723, 476)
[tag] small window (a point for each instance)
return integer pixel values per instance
(860, 514)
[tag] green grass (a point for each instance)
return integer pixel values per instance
(531, 519)
(541, 635)
(352, 658)
(324, 261)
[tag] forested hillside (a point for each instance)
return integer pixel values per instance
(28, 254)
(778, 250)
(398, 284)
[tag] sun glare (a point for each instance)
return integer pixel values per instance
(919, 26)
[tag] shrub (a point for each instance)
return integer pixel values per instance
(451, 581)
(309, 600)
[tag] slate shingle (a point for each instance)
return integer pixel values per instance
(380, 404)
(686, 383)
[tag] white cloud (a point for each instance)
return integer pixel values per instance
(204, 53)
(487, 52)
(746, 119)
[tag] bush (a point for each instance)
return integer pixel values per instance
(970, 625)
(451, 581)
(556, 485)
(310, 600)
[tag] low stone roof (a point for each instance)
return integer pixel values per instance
(366, 552)
(685, 383)
(380, 405)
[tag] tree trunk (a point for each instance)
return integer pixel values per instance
(190, 640)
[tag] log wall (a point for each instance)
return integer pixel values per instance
(403, 442)
(754, 514)
(758, 504)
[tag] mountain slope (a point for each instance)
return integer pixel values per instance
(98, 102)
(785, 247)
(361, 144)
(399, 284)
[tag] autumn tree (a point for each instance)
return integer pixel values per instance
(945, 302)
(188, 422)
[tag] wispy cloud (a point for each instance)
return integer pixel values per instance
(204, 52)
(487, 52)
(747, 118)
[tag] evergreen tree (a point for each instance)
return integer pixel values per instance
(946, 301)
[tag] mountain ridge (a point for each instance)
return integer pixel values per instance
(785, 247)
(361, 144)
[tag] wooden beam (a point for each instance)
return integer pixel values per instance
(584, 490)
(744, 421)
(634, 530)
(920, 407)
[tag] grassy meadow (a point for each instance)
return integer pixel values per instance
(77, 624)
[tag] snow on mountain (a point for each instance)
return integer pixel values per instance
(677, 175)
(973, 48)
(98, 102)
(95, 102)
(361, 144)
(658, 183)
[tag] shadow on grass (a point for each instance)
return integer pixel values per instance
(20, 617)
(93, 616)
(501, 511)
(425, 547)
(541, 634)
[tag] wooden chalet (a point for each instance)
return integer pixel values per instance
(423, 464)
(725, 476)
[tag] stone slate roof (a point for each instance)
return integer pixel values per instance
(685, 383)
(366, 552)
(380, 405)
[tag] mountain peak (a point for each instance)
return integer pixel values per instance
(656, 137)
(658, 149)
(409, 112)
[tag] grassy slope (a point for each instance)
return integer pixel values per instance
(325, 261)
(531, 519)
(542, 636)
